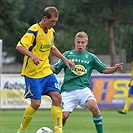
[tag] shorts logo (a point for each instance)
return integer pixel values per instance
(62, 104)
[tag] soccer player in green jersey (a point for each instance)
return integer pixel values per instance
(36, 45)
(75, 89)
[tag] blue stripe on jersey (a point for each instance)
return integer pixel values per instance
(21, 43)
(27, 61)
(34, 43)
(54, 33)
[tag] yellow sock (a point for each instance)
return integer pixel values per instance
(127, 104)
(28, 115)
(57, 117)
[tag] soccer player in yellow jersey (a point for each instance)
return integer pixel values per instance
(129, 98)
(36, 45)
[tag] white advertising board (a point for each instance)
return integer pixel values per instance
(11, 93)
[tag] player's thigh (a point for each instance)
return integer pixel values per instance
(51, 84)
(93, 107)
(91, 103)
(55, 97)
(69, 101)
(84, 95)
(33, 88)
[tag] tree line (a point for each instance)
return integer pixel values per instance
(108, 24)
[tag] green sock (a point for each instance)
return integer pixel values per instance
(64, 123)
(98, 123)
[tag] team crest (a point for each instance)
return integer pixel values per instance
(50, 38)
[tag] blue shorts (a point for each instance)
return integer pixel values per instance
(36, 87)
(131, 90)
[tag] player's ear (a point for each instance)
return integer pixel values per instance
(45, 18)
(74, 41)
(86, 42)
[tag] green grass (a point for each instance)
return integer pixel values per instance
(80, 121)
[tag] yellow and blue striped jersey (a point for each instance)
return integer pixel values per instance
(39, 43)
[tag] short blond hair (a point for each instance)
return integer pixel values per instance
(50, 11)
(82, 34)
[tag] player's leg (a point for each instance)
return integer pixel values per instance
(52, 90)
(56, 110)
(29, 114)
(69, 103)
(30, 92)
(128, 102)
(127, 105)
(65, 117)
(97, 117)
(88, 101)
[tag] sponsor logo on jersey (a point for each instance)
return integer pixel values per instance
(44, 47)
(79, 70)
(80, 61)
(41, 37)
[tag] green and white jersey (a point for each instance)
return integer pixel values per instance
(78, 78)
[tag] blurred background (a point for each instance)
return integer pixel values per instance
(108, 23)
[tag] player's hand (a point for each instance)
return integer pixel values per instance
(36, 59)
(119, 66)
(68, 63)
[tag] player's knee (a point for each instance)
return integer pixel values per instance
(55, 97)
(95, 110)
(35, 105)
(56, 100)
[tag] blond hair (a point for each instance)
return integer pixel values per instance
(81, 34)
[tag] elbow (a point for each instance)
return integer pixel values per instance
(105, 72)
(17, 48)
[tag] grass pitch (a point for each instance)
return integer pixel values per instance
(80, 121)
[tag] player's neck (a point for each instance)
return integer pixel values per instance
(79, 52)
(43, 27)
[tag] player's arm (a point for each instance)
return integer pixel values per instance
(53, 69)
(109, 70)
(59, 65)
(57, 53)
(26, 52)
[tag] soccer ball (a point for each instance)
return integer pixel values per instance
(44, 130)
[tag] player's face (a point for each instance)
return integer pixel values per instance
(50, 22)
(80, 44)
